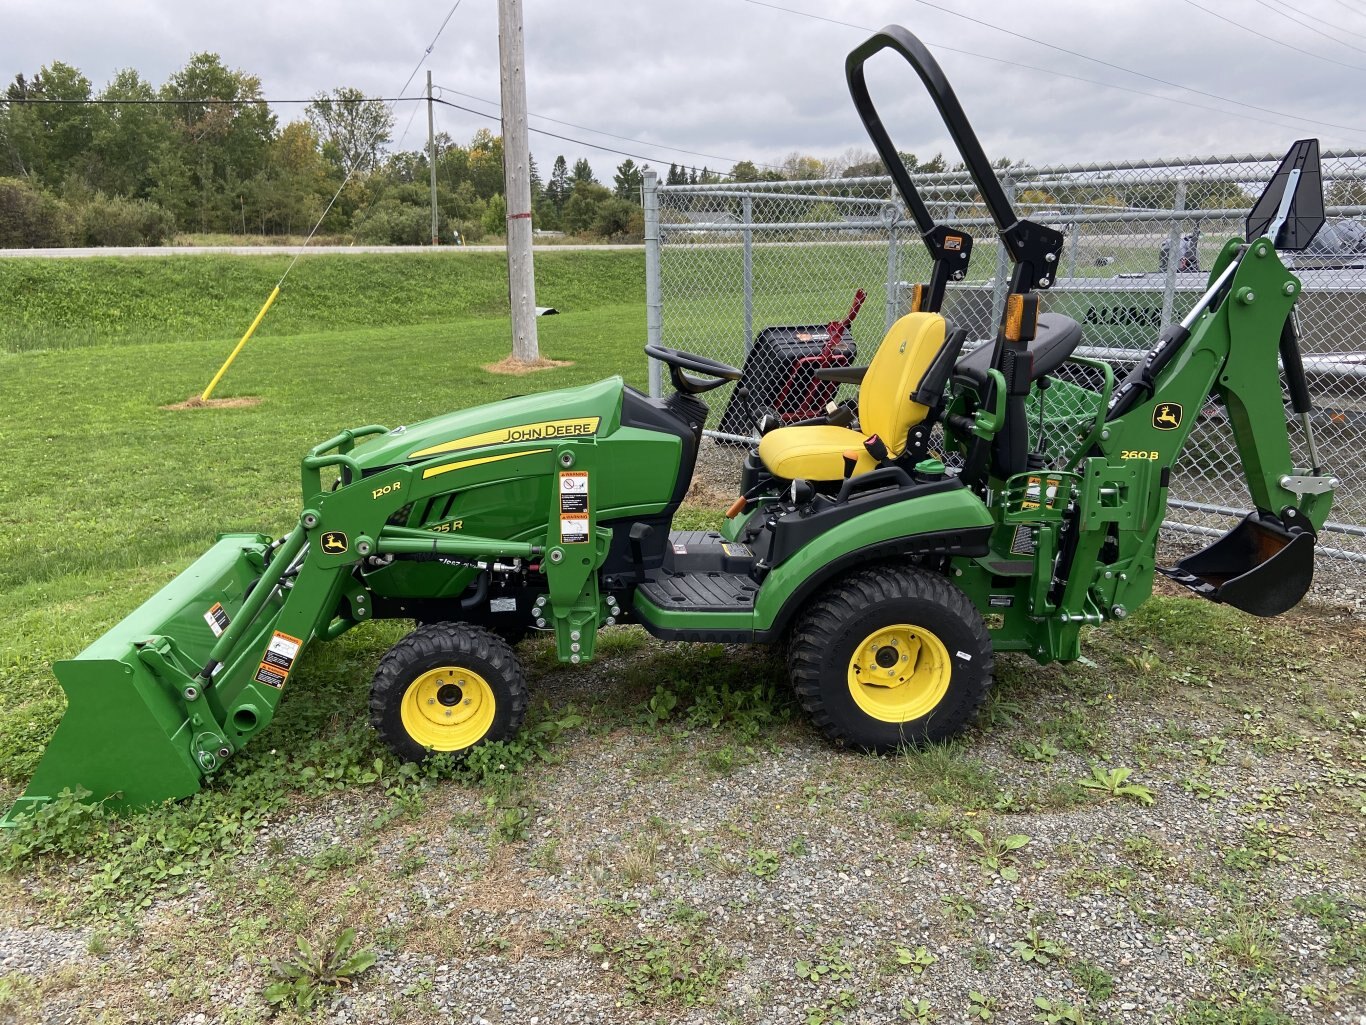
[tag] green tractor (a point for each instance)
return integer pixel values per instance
(965, 504)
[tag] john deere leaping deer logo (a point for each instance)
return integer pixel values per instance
(334, 542)
(1167, 416)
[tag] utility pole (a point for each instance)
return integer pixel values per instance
(517, 183)
(431, 157)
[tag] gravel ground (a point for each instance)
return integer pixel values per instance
(651, 859)
(691, 874)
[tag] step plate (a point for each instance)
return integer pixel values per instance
(704, 572)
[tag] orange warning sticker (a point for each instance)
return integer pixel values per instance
(574, 502)
(217, 618)
(573, 528)
(278, 660)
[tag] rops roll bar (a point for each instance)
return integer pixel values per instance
(1034, 248)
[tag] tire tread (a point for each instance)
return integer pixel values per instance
(429, 640)
(820, 624)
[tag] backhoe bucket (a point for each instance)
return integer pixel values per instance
(126, 736)
(1258, 567)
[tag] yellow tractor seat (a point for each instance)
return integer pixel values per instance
(885, 408)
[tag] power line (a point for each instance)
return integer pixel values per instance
(1304, 24)
(1273, 39)
(1131, 71)
(1031, 67)
(395, 100)
(1079, 78)
(622, 138)
(578, 142)
(204, 396)
(1349, 9)
(207, 102)
(1335, 27)
(371, 142)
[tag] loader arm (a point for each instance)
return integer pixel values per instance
(159, 703)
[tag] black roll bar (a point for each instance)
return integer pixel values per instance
(1030, 245)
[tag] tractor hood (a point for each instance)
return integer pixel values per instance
(593, 409)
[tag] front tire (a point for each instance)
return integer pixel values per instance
(445, 688)
(891, 657)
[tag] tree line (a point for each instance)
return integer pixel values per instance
(135, 163)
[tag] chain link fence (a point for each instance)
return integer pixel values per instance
(728, 264)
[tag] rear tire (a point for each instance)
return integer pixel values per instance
(890, 657)
(446, 688)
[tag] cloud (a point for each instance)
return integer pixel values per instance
(738, 80)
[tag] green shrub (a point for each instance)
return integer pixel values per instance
(393, 222)
(620, 220)
(32, 218)
(495, 216)
(115, 221)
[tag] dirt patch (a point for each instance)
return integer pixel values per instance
(709, 494)
(195, 402)
(518, 368)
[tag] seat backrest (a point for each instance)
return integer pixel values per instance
(884, 399)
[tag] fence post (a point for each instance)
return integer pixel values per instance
(1076, 242)
(747, 205)
(893, 276)
(1002, 279)
(654, 302)
(1174, 255)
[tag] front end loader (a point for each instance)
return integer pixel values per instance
(965, 504)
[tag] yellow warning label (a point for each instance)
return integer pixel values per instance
(1040, 491)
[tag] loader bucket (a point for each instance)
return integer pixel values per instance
(125, 736)
(1258, 567)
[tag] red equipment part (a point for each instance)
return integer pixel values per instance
(801, 396)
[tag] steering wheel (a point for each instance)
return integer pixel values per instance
(678, 361)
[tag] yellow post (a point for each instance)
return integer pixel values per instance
(250, 331)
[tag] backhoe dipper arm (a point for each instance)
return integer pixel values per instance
(1250, 389)
(1225, 348)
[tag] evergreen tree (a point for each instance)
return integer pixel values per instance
(582, 172)
(537, 186)
(558, 189)
(627, 180)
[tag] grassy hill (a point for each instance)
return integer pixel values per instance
(62, 304)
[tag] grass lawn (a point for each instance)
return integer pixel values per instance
(668, 838)
(108, 495)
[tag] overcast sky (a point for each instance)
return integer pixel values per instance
(735, 80)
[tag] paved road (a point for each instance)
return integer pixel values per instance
(62, 254)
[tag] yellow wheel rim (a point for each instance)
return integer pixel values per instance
(448, 709)
(899, 673)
